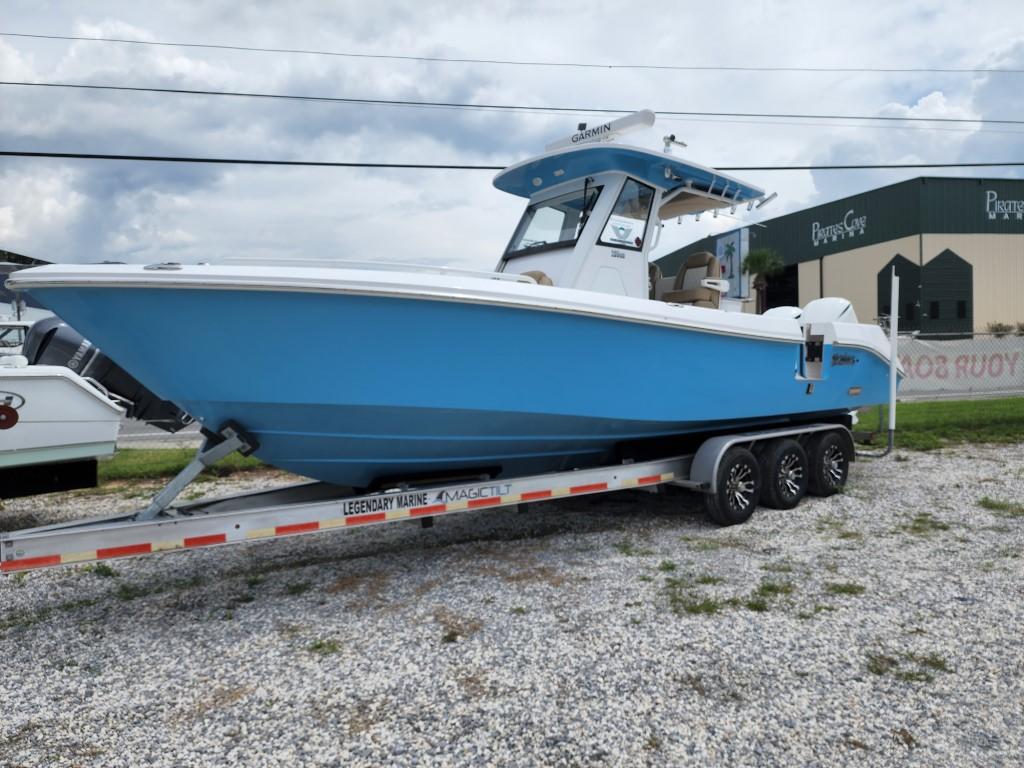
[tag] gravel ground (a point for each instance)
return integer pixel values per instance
(881, 626)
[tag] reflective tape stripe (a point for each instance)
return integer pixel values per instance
(433, 509)
(206, 541)
(126, 551)
(285, 530)
(535, 495)
(589, 488)
(29, 563)
(373, 517)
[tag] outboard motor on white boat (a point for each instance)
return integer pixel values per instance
(54, 342)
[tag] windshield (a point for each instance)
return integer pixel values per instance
(11, 337)
(552, 223)
(626, 226)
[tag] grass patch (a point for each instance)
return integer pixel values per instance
(705, 605)
(925, 426)
(102, 570)
(769, 589)
(155, 463)
(681, 599)
(908, 667)
(844, 588)
(924, 524)
(324, 647)
(782, 567)
(758, 604)
(708, 579)
(931, 661)
(519, 610)
(1004, 508)
(297, 588)
(627, 548)
(702, 545)
(818, 608)
(131, 591)
(880, 664)
(666, 565)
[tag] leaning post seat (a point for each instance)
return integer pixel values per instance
(540, 278)
(687, 288)
(653, 276)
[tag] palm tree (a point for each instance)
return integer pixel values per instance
(762, 263)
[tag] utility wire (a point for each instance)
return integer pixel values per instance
(453, 167)
(503, 107)
(526, 63)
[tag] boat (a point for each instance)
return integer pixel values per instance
(54, 425)
(570, 353)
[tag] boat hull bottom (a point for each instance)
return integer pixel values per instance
(366, 447)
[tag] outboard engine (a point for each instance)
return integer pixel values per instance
(53, 342)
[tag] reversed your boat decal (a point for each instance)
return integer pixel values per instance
(10, 402)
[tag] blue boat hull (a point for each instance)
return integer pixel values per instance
(350, 389)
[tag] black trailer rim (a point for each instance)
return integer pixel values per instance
(790, 475)
(833, 463)
(740, 485)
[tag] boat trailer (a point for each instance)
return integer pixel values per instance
(727, 469)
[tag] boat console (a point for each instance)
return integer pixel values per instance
(595, 211)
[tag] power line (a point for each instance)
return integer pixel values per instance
(527, 63)
(456, 167)
(503, 107)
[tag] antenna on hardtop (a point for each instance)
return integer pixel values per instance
(605, 131)
(670, 140)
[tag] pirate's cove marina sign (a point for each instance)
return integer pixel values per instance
(1003, 209)
(851, 225)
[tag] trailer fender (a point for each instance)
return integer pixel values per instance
(704, 469)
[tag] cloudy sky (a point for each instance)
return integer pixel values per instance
(91, 210)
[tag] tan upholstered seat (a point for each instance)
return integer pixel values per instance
(653, 276)
(687, 288)
(539, 277)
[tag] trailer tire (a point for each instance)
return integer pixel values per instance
(784, 473)
(737, 488)
(830, 454)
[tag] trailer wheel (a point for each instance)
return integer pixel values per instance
(784, 475)
(829, 454)
(737, 488)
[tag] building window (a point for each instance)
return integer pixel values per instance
(961, 310)
(933, 310)
(910, 312)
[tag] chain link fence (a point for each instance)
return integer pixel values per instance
(961, 366)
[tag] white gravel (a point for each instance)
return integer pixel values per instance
(556, 636)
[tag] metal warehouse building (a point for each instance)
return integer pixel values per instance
(957, 245)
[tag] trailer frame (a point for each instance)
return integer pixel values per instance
(314, 507)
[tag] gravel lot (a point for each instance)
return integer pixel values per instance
(882, 626)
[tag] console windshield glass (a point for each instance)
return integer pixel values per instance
(552, 223)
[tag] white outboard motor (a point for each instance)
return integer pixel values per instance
(831, 309)
(790, 313)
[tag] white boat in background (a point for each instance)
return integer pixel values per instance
(54, 424)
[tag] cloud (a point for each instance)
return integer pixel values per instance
(134, 211)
